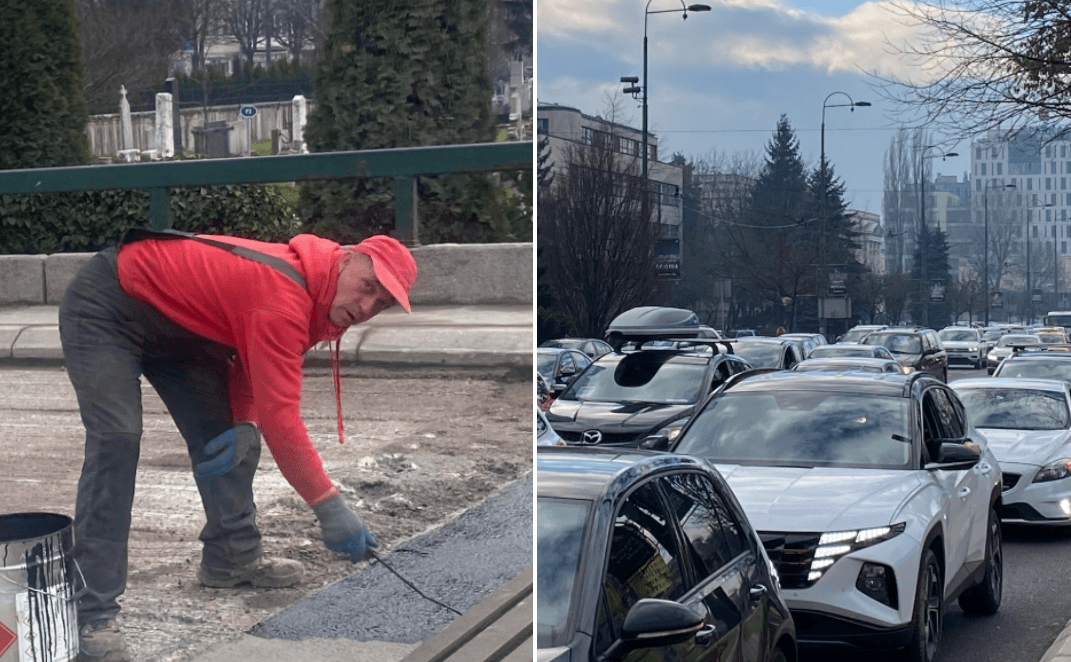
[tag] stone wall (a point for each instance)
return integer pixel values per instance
(468, 274)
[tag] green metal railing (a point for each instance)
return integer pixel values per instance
(403, 165)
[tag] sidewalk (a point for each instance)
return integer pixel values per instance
(461, 335)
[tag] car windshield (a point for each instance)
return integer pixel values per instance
(1007, 341)
(897, 343)
(1050, 338)
(641, 377)
(559, 534)
(826, 351)
(991, 335)
(958, 335)
(802, 428)
(855, 335)
(759, 354)
(1032, 368)
(545, 363)
(1015, 409)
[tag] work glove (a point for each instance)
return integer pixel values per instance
(224, 452)
(343, 531)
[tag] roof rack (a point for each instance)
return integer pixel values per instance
(1019, 350)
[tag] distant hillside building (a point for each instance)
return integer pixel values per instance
(867, 225)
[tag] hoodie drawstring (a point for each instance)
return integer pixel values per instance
(336, 363)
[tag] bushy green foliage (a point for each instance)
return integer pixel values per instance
(89, 220)
(42, 106)
(408, 73)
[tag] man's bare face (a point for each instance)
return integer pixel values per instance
(360, 296)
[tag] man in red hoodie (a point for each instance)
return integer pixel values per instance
(219, 326)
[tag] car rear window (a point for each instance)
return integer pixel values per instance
(644, 377)
(897, 343)
(802, 428)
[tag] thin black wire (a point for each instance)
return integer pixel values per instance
(410, 584)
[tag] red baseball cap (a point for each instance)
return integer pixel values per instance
(394, 265)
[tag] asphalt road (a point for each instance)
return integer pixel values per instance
(1035, 608)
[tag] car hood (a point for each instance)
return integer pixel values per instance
(819, 499)
(606, 416)
(1025, 446)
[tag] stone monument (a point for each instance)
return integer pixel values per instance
(165, 137)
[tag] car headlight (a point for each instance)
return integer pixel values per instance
(833, 546)
(907, 369)
(672, 430)
(1054, 471)
(972, 348)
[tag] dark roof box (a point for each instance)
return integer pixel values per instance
(655, 323)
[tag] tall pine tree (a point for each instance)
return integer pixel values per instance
(42, 106)
(408, 73)
(934, 243)
(777, 248)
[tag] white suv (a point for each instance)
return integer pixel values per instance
(873, 494)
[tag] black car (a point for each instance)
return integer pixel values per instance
(917, 350)
(622, 399)
(650, 552)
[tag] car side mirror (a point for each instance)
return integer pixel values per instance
(654, 623)
(955, 456)
(655, 442)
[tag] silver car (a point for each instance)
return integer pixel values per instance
(963, 345)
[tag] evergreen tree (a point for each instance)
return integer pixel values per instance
(406, 73)
(777, 256)
(934, 243)
(42, 105)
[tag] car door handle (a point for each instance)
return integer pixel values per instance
(707, 635)
(985, 468)
(757, 592)
(964, 492)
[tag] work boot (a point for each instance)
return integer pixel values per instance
(102, 642)
(262, 573)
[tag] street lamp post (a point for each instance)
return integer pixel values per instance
(851, 105)
(1030, 290)
(923, 250)
(985, 206)
(636, 90)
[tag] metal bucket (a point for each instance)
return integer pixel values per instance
(38, 614)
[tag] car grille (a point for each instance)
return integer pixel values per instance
(607, 437)
(1008, 481)
(792, 554)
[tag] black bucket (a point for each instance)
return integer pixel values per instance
(38, 612)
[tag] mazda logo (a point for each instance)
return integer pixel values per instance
(591, 437)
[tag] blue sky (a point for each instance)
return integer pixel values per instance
(721, 79)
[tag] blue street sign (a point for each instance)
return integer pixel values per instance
(247, 111)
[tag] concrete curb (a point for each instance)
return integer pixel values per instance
(452, 336)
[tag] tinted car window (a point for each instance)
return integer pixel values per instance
(545, 364)
(712, 534)
(950, 418)
(802, 428)
(1016, 409)
(560, 532)
(959, 335)
(759, 354)
(643, 563)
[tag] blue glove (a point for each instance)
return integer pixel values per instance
(225, 451)
(343, 531)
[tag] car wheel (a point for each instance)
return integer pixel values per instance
(984, 599)
(778, 655)
(926, 618)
